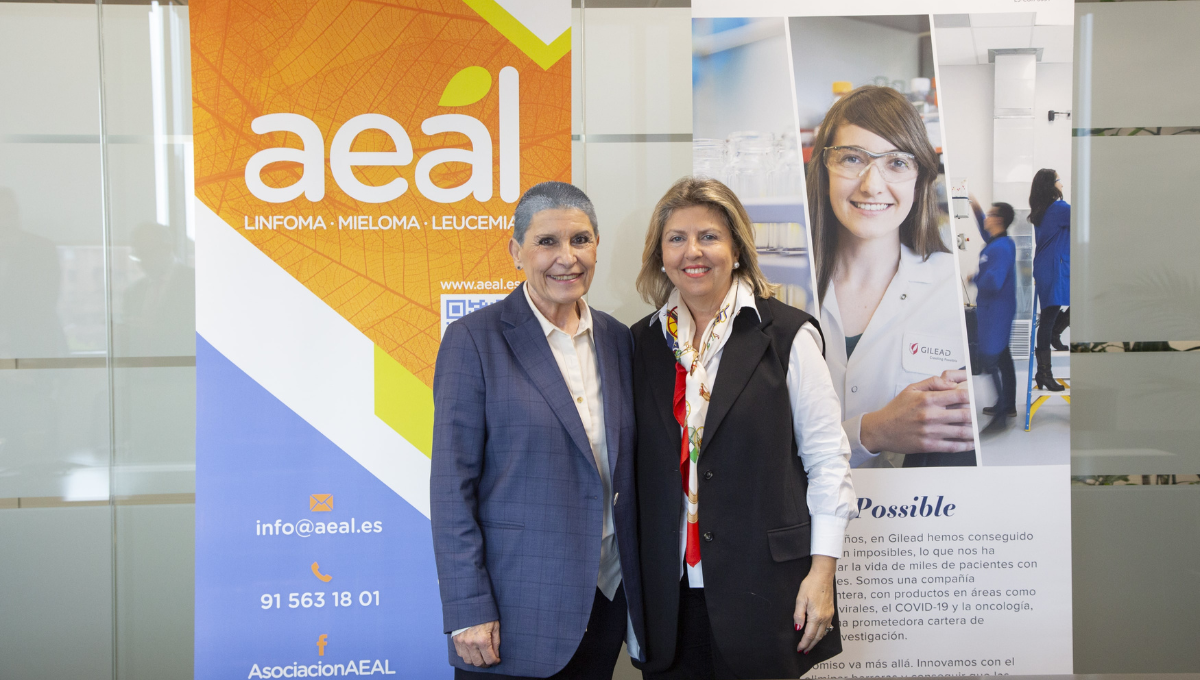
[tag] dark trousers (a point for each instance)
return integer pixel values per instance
(1000, 366)
(597, 654)
(696, 657)
(1045, 329)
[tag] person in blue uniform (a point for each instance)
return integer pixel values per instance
(996, 303)
(1051, 218)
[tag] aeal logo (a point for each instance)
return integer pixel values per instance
(466, 87)
(913, 348)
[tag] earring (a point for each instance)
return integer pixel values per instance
(519, 267)
(663, 269)
(736, 265)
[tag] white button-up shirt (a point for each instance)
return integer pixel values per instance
(822, 443)
(576, 358)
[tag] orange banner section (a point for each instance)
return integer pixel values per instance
(375, 150)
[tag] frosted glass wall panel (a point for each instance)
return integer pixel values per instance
(156, 427)
(53, 435)
(1135, 558)
(1135, 413)
(48, 70)
(57, 594)
(155, 602)
(1135, 276)
(147, 87)
(1142, 59)
(625, 181)
(637, 92)
(54, 409)
(637, 71)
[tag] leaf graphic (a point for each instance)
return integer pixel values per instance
(467, 87)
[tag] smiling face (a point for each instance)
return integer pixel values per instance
(698, 252)
(558, 256)
(868, 207)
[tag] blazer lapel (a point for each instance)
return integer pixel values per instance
(532, 350)
(739, 359)
(610, 385)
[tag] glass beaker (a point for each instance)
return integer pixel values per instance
(751, 172)
(789, 171)
(709, 159)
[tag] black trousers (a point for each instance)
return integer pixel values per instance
(696, 657)
(1004, 374)
(597, 654)
(1045, 329)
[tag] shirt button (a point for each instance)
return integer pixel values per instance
(578, 400)
(708, 475)
(904, 296)
(854, 389)
(708, 536)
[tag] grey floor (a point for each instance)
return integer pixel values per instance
(1004, 441)
(624, 669)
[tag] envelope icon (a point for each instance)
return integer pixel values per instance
(320, 502)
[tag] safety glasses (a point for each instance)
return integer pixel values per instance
(852, 162)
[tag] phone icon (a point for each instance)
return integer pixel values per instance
(316, 570)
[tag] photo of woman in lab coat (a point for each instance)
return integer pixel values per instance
(887, 285)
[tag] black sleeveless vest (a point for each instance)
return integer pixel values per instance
(753, 513)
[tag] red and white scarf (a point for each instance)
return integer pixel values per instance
(693, 390)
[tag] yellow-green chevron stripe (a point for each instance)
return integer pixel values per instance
(403, 402)
(542, 54)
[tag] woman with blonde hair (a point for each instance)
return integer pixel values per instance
(742, 468)
(887, 285)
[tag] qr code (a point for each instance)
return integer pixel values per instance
(455, 307)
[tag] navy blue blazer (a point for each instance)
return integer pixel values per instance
(515, 497)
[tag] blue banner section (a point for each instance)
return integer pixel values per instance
(306, 564)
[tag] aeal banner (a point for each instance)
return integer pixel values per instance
(356, 169)
(908, 169)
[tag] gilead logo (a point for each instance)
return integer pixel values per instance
(913, 348)
(342, 160)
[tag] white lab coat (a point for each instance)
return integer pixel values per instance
(916, 332)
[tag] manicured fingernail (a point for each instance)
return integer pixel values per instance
(806, 652)
(797, 626)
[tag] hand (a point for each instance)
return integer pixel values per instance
(957, 376)
(479, 645)
(814, 602)
(931, 415)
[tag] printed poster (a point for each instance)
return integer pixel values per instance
(356, 169)
(872, 144)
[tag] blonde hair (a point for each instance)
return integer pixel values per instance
(653, 283)
(889, 114)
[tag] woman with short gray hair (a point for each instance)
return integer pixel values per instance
(531, 488)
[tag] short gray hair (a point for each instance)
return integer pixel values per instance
(551, 196)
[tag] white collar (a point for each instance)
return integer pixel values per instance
(744, 298)
(910, 268)
(585, 316)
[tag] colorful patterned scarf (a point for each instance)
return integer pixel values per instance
(693, 390)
